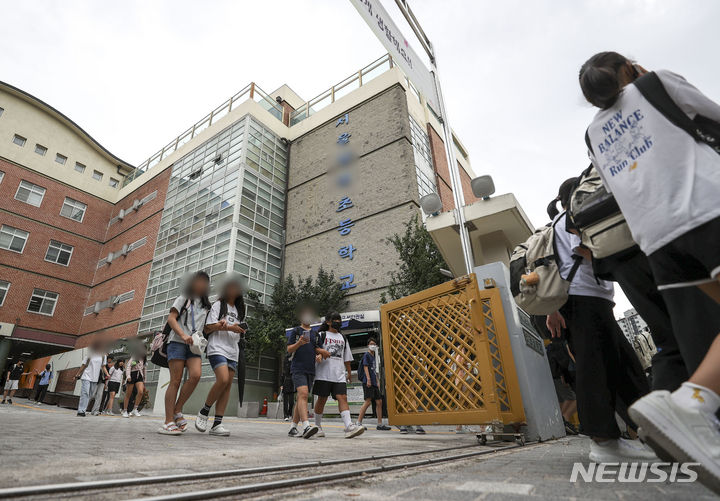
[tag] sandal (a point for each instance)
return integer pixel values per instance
(181, 423)
(169, 429)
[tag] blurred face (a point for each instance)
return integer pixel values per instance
(232, 290)
(307, 317)
(200, 286)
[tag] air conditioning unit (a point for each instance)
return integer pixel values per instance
(125, 249)
(136, 204)
(121, 215)
(97, 307)
(114, 301)
(109, 258)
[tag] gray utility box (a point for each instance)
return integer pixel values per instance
(542, 412)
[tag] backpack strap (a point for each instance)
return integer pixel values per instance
(587, 141)
(577, 262)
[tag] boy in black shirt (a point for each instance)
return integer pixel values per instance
(301, 346)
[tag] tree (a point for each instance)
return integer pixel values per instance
(268, 322)
(420, 262)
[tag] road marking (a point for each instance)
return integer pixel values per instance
(496, 488)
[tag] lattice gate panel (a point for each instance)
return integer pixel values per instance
(447, 357)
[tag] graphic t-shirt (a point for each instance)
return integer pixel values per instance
(303, 360)
(192, 319)
(116, 375)
(93, 366)
(664, 181)
(333, 368)
(368, 361)
(223, 343)
(45, 377)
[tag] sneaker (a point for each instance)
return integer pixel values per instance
(320, 433)
(136, 413)
(219, 431)
(360, 424)
(688, 435)
(570, 428)
(10, 401)
(293, 432)
(95, 413)
(81, 414)
(125, 414)
(309, 431)
(419, 430)
(620, 450)
(383, 427)
(287, 419)
(403, 430)
(353, 431)
(201, 423)
(37, 402)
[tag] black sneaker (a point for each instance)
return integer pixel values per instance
(293, 432)
(383, 427)
(309, 431)
(403, 430)
(570, 428)
(10, 401)
(419, 430)
(81, 414)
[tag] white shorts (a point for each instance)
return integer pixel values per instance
(11, 384)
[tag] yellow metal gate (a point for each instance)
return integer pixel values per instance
(448, 358)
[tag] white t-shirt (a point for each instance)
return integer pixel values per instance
(665, 182)
(116, 375)
(333, 368)
(192, 319)
(93, 365)
(223, 343)
(584, 283)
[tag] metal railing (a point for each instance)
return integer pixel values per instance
(351, 83)
(251, 91)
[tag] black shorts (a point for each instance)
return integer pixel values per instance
(114, 386)
(327, 388)
(689, 260)
(136, 377)
(371, 392)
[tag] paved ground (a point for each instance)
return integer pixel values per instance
(46, 444)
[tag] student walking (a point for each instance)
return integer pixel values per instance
(12, 380)
(187, 316)
(665, 176)
(45, 379)
(225, 329)
(301, 345)
(100, 387)
(371, 387)
(88, 374)
(108, 367)
(114, 381)
(332, 373)
(135, 379)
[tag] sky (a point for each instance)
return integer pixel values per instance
(135, 74)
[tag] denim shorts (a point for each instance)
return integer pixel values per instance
(302, 379)
(179, 351)
(218, 361)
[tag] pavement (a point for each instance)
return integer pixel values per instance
(43, 444)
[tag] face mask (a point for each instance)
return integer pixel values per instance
(336, 325)
(372, 347)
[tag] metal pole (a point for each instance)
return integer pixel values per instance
(453, 168)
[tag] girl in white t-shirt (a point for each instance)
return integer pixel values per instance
(667, 185)
(224, 329)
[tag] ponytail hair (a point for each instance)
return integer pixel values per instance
(552, 209)
(564, 194)
(600, 78)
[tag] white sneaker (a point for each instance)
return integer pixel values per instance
(201, 423)
(136, 413)
(320, 433)
(687, 435)
(125, 414)
(353, 431)
(620, 450)
(219, 431)
(95, 413)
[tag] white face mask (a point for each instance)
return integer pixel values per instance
(373, 347)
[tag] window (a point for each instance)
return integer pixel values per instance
(40, 150)
(30, 193)
(1, 111)
(4, 288)
(79, 167)
(59, 253)
(114, 183)
(19, 140)
(42, 302)
(2, 176)
(97, 175)
(61, 159)
(13, 239)
(73, 209)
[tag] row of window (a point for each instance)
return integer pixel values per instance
(62, 160)
(34, 194)
(14, 239)
(41, 301)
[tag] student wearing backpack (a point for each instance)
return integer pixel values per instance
(135, 374)
(224, 329)
(371, 386)
(332, 373)
(607, 369)
(45, 379)
(655, 143)
(187, 316)
(301, 344)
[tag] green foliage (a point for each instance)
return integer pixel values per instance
(268, 322)
(420, 262)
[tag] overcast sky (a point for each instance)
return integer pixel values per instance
(135, 74)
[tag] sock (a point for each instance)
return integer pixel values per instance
(318, 419)
(217, 420)
(295, 425)
(205, 411)
(305, 424)
(698, 397)
(346, 418)
(178, 415)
